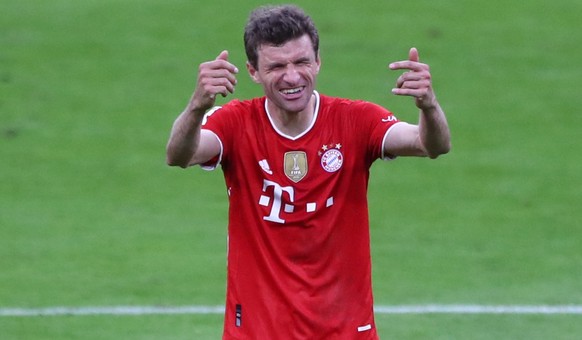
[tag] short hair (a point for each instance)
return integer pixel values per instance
(276, 25)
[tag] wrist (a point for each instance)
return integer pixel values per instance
(428, 105)
(195, 111)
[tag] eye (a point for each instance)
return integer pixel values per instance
(274, 67)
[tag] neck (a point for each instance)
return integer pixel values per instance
(292, 123)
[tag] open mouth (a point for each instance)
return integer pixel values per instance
(292, 91)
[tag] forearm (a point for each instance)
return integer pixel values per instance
(434, 131)
(184, 139)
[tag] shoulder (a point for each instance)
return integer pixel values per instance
(235, 109)
(351, 106)
(237, 105)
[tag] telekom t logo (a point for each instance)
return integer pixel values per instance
(277, 199)
(277, 203)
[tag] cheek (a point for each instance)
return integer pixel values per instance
(271, 79)
(257, 77)
(316, 68)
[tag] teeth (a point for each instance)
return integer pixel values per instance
(291, 91)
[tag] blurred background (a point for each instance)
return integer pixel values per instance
(90, 215)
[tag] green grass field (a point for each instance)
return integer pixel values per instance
(90, 215)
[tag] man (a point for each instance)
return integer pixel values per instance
(296, 166)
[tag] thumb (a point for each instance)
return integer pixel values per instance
(413, 54)
(223, 55)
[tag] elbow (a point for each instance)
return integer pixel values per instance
(181, 165)
(173, 161)
(177, 157)
(439, 151)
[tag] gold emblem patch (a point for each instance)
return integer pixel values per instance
(295, 165)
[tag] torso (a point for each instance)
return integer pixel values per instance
(299, 256)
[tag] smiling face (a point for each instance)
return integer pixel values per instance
(288, 74)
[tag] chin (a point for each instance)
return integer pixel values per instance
(298, 107)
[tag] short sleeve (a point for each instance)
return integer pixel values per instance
(373, 124)
(220, 120)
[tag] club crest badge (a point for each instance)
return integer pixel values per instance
(332, 158)
(295, 165)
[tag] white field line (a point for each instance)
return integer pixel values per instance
(479, 309)
(404, 309)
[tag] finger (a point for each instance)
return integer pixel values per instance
(218, 73)
(414, 84)
(209, 87)
(223, 56)
(412, 76)
(415, 75)
(218, 85)
(227, 84)
(407, 65)
(411, 64)
(413, 54)
(216, 77)
(417, 93)
(221, 61)
(218, 90)
(220, 64)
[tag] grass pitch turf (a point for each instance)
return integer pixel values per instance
(91, 216)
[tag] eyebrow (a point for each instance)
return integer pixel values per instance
(295, 61)
(302, 60)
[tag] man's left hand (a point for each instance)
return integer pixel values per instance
(416, 82)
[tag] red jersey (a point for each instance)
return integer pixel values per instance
(299, 245)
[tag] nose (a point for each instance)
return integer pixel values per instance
(291, 75)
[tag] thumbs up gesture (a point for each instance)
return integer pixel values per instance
(214, 77)
(416, 82)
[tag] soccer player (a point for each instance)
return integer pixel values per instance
(296, 166)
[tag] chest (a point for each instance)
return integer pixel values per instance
(320, 155)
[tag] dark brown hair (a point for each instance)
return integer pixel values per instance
(276, 25)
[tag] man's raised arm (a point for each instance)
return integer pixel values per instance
(188, 144)
(431, 137)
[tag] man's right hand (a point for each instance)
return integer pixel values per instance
(214, 77)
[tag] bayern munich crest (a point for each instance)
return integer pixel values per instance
(332, 158)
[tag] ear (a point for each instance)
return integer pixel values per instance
(317, 62)
(253, 73)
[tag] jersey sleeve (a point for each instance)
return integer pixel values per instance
(220, 120)
(374, 123)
